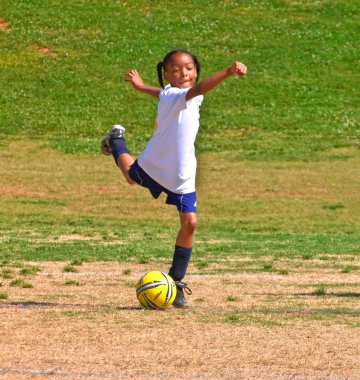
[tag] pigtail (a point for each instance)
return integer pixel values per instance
(159, 68)
(197, 65)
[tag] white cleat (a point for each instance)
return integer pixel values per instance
(116, 132)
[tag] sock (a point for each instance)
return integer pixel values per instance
(118, 146)
(180, 263)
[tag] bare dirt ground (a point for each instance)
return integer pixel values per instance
(240, 326)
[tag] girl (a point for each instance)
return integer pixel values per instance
(168, 163)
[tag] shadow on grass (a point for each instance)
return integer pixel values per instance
(50, 305)
(346, 294)
(323, 312)
(325, 294)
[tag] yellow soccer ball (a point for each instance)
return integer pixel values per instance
(156, 290)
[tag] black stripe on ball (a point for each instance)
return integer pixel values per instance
(150, 285)
(169, 289)
(149, 303)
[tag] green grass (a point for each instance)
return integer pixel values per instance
(298, 101)
(279, 148)
(255, 246)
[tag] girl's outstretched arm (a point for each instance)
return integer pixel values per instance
(135, 79)
(209, 83)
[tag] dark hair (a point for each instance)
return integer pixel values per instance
(163, 64)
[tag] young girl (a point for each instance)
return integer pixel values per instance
(168, 163)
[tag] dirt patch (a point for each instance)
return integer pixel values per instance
(4, 25)
(240, 326)
(73, 237)
(46, 51)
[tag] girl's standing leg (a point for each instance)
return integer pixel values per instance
(182, 254)
(188, 222)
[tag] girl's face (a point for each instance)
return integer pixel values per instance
(181, 71)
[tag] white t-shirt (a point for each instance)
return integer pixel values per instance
(169, 157)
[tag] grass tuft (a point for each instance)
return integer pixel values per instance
(70, 269)
(4, 296)
(72, 283)
(20, 283)
(77, 262)
(7, 273)
(232, 298)
(232, 317)
(349, 268)
(320, 291)
(143, 260)
(29, 270)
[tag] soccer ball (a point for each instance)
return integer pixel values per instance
(156, 290)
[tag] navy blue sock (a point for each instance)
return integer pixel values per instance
(180, 263)
(118, 146)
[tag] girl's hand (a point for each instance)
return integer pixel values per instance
(237, 68)
(134, 78)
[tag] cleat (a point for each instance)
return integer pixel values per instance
(116, 132)
(180, 300)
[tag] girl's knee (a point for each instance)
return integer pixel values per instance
(129, 180)
(189, 222)
(125, 172)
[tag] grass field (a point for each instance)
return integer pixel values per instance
(275, 269)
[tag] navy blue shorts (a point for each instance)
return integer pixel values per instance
(183, 202)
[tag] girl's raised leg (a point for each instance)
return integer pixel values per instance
(114, 144)
(124, 161)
